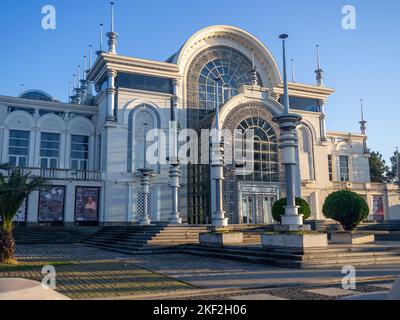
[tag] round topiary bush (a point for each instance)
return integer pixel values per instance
(278, 209)
(346, 207)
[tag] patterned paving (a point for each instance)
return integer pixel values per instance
(90, 273)
(94, 274)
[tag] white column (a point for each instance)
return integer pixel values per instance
(111, 90)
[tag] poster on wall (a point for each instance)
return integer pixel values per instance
(87, 204)
(378, 208)
(20, 217)
(51, 204)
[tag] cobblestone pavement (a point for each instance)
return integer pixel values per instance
(90, 273)
(215, 273)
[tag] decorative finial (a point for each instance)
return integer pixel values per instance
(254, 77)
(112, 36)
(319, 72)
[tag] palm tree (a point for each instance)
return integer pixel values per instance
(14, 189)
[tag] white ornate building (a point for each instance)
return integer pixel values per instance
(91, 148)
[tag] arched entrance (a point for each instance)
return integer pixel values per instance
(249, 195)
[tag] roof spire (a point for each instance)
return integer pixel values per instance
(100, 51)
(90, 56)
(22, 88)
(293, 71)
(112, 36)
(363, 123)
(254, 76)
(84, 67)
(319, 72)
(363, 127)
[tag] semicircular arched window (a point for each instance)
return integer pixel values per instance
(228, 65)
(265, 162)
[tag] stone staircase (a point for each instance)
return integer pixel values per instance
(326, 258)
(52, 235)
(148, 239)
(392, 225)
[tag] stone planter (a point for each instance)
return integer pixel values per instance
(220, 238)
(21, 289)
(295, 241)
(353, 238)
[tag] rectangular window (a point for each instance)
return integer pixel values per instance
(79, 152)
(49, 150)
(144, 83)
(344, 168)
(18, 148)
(330, 167)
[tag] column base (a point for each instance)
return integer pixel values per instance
(219, 220)
(175, 220)
(145, 222)
(292, 217)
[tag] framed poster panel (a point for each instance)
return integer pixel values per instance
(51, 204)
(378, 208)
(87, 201)
(21, 215)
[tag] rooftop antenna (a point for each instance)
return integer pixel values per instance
(293, 71)
(69, 89)
(112, 36)
(319, 72)
(74, 80)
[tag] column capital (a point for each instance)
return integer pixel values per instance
(112, 73)
(176, 82)
(111, 90)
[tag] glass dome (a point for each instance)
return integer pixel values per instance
(36, 95)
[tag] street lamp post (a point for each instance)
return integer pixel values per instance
(217, 167)
(288, 123)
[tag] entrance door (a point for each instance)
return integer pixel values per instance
(249, 209)
(257, 209)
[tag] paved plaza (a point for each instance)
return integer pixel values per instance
(89, 273)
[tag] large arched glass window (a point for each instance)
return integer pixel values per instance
(227, 64)
(266, 155)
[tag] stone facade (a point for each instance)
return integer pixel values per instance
(134, 92)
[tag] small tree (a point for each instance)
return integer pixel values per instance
(278, 209)
(346, 207)
(13, 192)
(394, 172)
(378, 168)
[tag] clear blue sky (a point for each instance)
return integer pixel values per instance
(361, 63)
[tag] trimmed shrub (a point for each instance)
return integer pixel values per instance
(346, 207)
(278, 209)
